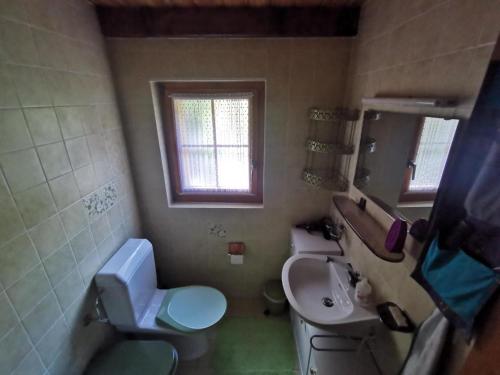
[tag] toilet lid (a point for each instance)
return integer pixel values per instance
(192, 308)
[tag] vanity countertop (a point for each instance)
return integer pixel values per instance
(304, 242)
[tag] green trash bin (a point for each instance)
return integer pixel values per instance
(275, 298)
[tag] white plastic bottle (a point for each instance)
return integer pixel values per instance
(363, 292)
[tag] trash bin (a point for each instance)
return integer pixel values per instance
(275, 298)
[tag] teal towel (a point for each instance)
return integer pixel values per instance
(462, 282)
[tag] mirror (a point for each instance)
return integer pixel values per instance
(401, 160)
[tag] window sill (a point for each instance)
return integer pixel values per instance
(217, 205)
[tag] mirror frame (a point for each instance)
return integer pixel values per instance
(438, 107)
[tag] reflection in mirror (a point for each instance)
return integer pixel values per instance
(401, 160)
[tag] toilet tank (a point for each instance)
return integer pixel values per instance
(127, 282)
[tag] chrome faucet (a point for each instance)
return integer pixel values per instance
(338, 231)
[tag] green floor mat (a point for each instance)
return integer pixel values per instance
(254, 346)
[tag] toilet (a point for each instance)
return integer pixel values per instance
(128, 290)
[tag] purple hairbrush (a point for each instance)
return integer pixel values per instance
(396, 237)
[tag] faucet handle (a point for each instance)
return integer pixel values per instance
(338, 231)
(353, 276)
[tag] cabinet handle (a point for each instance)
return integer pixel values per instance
(313, 371)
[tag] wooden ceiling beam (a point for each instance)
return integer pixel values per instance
(229, 21)
(225, 3)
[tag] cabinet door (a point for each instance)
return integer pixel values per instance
(355, 362)
(343, 363)
(313, 367)
(301, 340)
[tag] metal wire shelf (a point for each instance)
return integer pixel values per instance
(329, 148)
(325, 179)
(331, 115)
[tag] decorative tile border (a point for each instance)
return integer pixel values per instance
(101, 200)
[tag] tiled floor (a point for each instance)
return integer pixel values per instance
(241, 315)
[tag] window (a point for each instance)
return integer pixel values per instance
(427, 159)
(214, 140)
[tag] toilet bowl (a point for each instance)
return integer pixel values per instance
(128, 290)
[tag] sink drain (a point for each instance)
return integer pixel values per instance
(328, 302)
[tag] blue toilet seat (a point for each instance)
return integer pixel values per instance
(192, 308)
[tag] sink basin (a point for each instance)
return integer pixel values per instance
(317, 288)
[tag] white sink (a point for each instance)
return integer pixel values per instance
(317, 288)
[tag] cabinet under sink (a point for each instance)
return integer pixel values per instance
(343, 351)
(331, 338)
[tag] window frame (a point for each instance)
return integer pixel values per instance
(255, 131)
(412, 196)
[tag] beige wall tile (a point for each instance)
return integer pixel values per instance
(8, 317)
(82, 244)
(64, 190)
(40, 13)
(8, 95)
(74, 219)
(91, 123)
(13, 347)
(42, 317)
(43, 125)
(17, 258)
(50, 49)
(54, 160)
(100, 229)
(78, 152)
(435, 49)
(18, 43)
(463, 23)
(97, 147)
(52, 55)
(13, 131)
(89, 266)
(30, 365)
(428, 30)
(11, 223)
(28, 291)
(51, 342)
(22, 169)
(48, 236)
(299, 73)
(490, 21)
(102, 173)
(32, 86)
(85, 179)
(115, 217)
(35, 204)
(106, 248)
(59, 264)
(71, 121)
(14, 10)
(410, 9)
(69, 289)
(61, 89)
